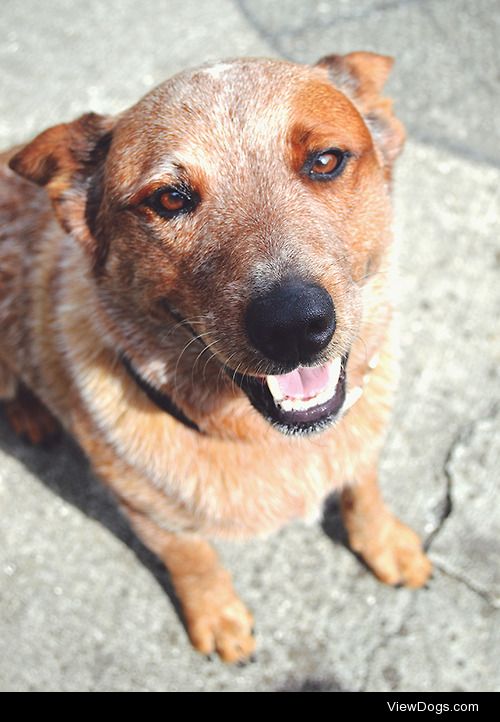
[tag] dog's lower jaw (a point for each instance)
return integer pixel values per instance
(280, 413)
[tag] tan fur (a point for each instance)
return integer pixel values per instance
(90, 278)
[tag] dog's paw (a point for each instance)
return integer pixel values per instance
(394, 554)
(226, 631)
(220, 623)
(30, 419)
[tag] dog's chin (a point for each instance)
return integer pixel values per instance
(304, 401)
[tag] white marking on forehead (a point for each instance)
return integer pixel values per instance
(217, 71)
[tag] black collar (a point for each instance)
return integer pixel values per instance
(161, 400)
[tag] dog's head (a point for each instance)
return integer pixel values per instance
(244, 203)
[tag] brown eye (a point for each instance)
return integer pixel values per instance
(172, 201)
(169, 201)
(327, 164)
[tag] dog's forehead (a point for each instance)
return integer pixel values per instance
(244, 82)
(239, 108)
(221, 99)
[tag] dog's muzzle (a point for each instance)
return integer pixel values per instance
(291, 325)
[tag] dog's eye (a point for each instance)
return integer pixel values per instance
(326, 164)
(169, 201)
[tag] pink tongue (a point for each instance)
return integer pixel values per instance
(303, 383)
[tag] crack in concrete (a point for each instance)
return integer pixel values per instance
(462, 437)
(485, 596)
(447, 504)
(288, 33)
(410, 610)
(381, 7)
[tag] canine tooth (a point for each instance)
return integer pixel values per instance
(274, 388)
(352, 396)
(335, 371)
(373, 362)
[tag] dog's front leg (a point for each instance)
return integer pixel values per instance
(391, 549)
(216, 619)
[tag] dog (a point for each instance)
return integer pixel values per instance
(199, 291)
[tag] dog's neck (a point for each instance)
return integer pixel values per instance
(159, 398)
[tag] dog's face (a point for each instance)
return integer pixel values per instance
(243, 203)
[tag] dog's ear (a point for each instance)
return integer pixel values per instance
(68, 161)
(362, 76)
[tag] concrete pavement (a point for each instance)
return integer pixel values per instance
(82, 604)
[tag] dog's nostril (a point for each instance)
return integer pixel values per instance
(318, 325)
(292, 323)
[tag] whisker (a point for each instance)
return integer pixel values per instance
(187, 322)
(372, 274)
(236, 370)
(224, 367)
(195, 338)
(213, 354)
(207, 347)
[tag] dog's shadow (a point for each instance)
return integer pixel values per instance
(63, 468)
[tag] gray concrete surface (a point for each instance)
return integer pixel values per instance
(82, 605)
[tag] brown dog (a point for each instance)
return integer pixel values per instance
(201, 286)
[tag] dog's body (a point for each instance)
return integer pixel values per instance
(136, 308)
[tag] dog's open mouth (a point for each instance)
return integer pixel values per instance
(302, 401)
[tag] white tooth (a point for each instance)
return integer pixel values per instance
(352, 396)
(288, 404)
(335, 371)
(373, 362)
(303, 405)
(274, 388)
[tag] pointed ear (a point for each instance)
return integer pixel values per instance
(68, 160)
(362, 76)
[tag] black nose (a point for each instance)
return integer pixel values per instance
(292, 323)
